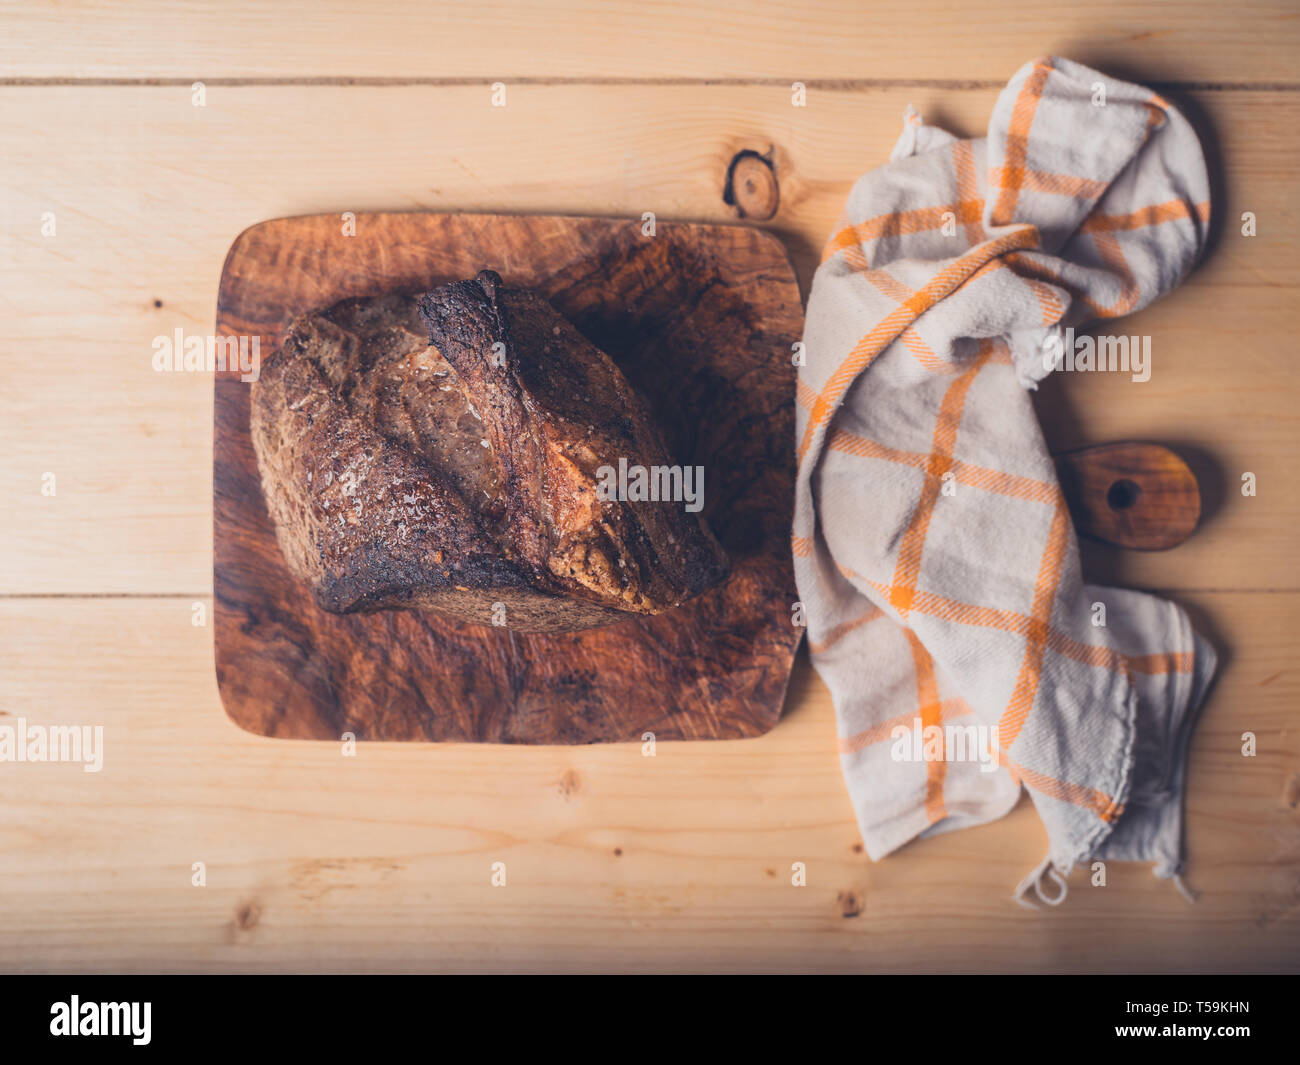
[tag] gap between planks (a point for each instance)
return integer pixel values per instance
(1167, 593)
(821, 84)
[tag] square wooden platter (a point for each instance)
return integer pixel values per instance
(701, 319)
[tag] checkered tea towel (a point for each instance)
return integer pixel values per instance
(934, 554)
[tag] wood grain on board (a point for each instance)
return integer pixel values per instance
(1129, 494)
(701, 320)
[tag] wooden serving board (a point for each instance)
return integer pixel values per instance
(701, 318)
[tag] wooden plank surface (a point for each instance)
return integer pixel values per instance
(773, 40)
(148, 193)
(615, 861)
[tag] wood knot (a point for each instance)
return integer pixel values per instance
(570, 784)
(848, 903)
(751, 186)
(247, 915)
(1291, 791)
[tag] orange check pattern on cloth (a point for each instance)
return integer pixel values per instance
(934, 552)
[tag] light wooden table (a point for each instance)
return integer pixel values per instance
(615, 861)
